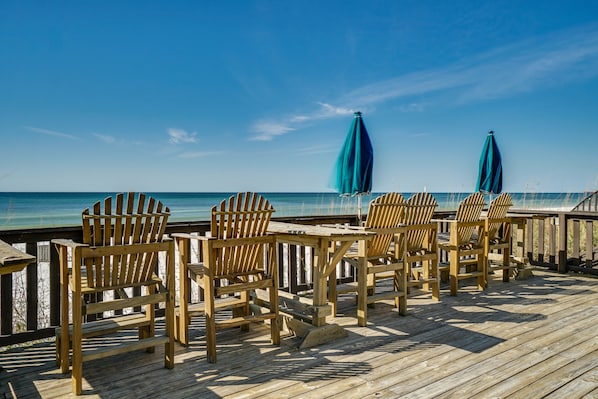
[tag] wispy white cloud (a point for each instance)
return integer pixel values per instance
(298, 118)
(105, 138)
(268, 130)
(52, 133)
(329, 110)
(178, 136)
(534, 64)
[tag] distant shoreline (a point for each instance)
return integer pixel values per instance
(55, 209)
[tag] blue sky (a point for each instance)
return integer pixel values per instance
(259, 95)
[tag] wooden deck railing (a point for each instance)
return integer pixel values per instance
(562, 241)
(30, 300)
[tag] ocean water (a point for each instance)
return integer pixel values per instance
(46, 209)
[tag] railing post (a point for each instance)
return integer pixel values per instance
(293, 268)
(576, 239)
(6, 304)
(32, 289)
(552, 241)
(562, 266)
(529, 244)
(541, 238)
(54, 287)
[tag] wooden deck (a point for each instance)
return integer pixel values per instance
(536, 337)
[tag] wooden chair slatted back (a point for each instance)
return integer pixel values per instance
(419, 211)
(244, 215)
(470, 210)
(120, 226)
(384, 211)
(498, 210)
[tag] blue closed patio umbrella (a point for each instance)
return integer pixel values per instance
(353, 170)
(490, 173)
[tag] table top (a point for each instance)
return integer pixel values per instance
(331, 232)
(11, 259)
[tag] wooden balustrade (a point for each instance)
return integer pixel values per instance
(561, 241)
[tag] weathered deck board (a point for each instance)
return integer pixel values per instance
(428, 373)
(534, 337)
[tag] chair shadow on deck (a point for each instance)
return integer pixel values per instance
(433, 324)
(428, 325)
(15, 361)
(281, 363)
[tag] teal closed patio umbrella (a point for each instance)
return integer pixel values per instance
(490, 173)
(353, 170)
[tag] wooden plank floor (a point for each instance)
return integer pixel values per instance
(530, 338)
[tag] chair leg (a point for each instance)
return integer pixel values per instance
(435, 274)
(77, 339)
(183, 325)
(371, 284)
(182, 319)
(425, 264)
(275, 322)
(170, 327)
(400, 286)
(210, 320)
(243, 311)
(177, 327)
(332, 294)
(506, 263)
(454, 271)
(362, 292)
(482, 268)
(58, 345)
(410, 278)
(63, 347)
(149, 331)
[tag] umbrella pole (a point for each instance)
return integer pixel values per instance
(359, 210)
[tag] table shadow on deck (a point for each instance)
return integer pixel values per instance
(473, 322)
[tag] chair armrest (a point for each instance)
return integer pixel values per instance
(191, 236)
(68, 243)
(234, 242)
(475, 223)
(342, 226)
(425, 226)
(500, 220)
(479, 222)
(442, 220)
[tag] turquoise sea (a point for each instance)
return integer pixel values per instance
(49, 209)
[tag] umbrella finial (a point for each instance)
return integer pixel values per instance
(491, 132)
(357, 113)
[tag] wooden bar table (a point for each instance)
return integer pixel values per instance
(518, 247)
(11, 260)
(329, 245)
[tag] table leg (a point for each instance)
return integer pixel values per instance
(320, 280)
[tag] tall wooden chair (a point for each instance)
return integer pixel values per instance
(466, 250)
(417, 243)
(498, 232)
(120, 248)
(238, 258)
(384, 215)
